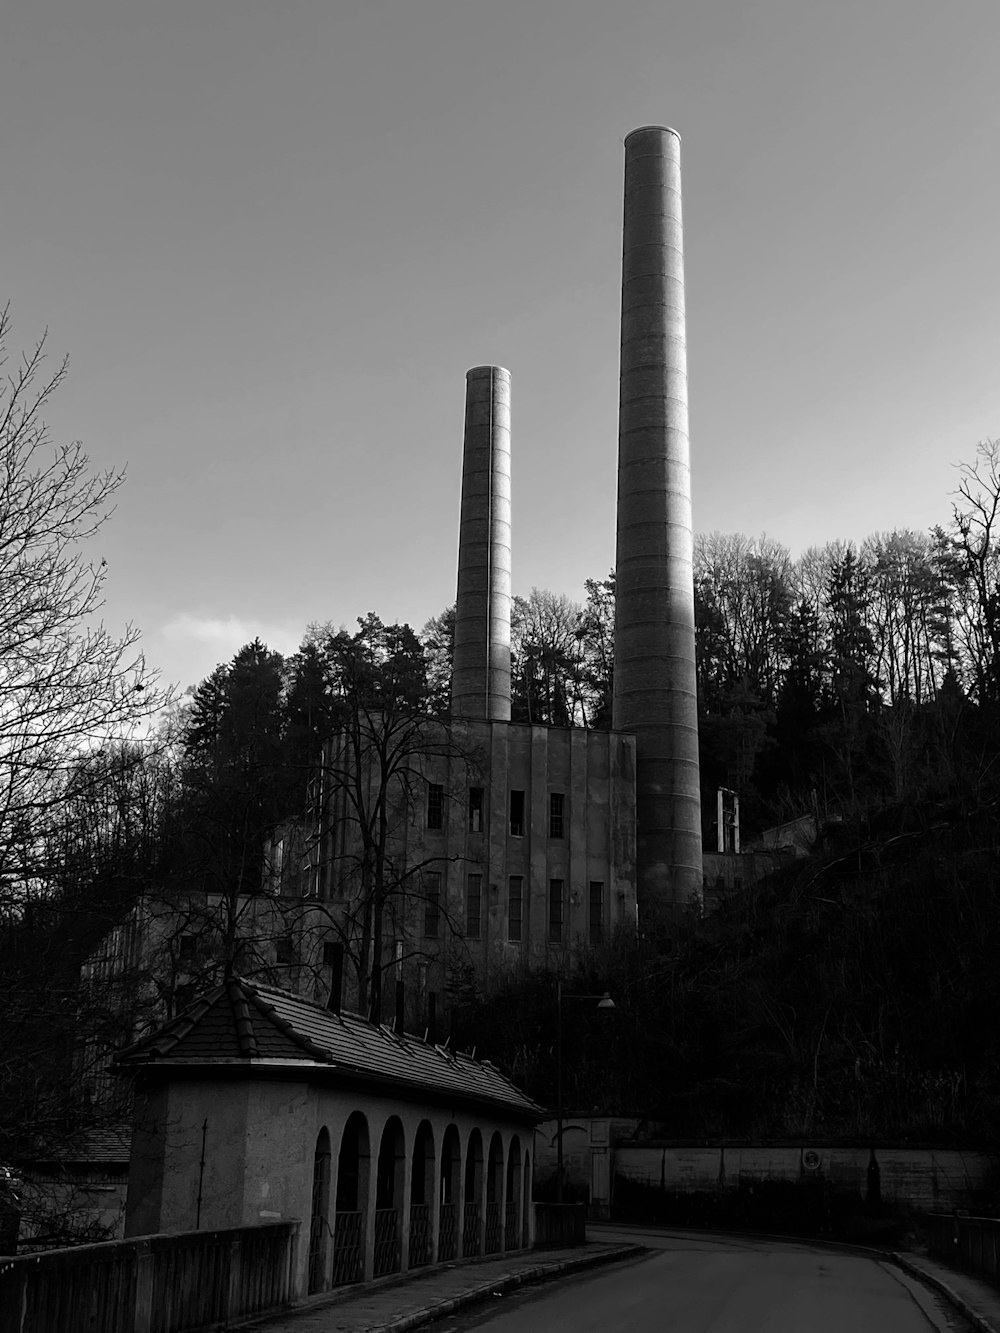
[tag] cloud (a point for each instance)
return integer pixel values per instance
(227, 634)
(189, 647)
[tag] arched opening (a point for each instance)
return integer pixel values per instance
(389, 1198)
(526, 1201)
(494, 1195)
(450, 1184)
(353, 1165)
(421, 1195)
(512, 1215)
(319, 1222)
(473, 1194)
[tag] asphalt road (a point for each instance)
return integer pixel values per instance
(700, 1284)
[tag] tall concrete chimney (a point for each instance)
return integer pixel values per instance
(480, 682)
(655, 693)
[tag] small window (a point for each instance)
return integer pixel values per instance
(284, 949)
(432, 903)
(517, 814)
(435, 805)
(556, 800)
(473, 906)
(515, 906)
(187, 947)
(555, 911)
(475, 809)
(332, 954)
(596, 912)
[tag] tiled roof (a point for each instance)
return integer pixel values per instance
(254, 1026)
(107, 1147)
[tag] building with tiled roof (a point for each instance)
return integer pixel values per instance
(255, 1105)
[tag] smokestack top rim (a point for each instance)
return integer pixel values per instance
(486, 370)
(658, 129)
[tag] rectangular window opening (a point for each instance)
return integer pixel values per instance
(556, 805)
(473, 906)
(555, 911)
(515, 907)
(475, 809)
(517, 814)
(432, 903)
(596, 912)
(435, 805)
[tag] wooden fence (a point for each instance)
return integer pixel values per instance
(151, 1284)
(972, 1243)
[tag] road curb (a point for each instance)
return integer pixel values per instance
(438, 1309)
(977, 1319)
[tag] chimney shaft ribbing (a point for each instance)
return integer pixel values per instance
(480, 686)
(655, 693)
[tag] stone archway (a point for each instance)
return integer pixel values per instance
(472, 1218)
(512, 1214)
(450, 1193)
(422, 1182)
(320, 1234)
(389, 1182)
(493, 1232)
(526, 1201)
(353, 1169)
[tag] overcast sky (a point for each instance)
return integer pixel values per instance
(273, 236)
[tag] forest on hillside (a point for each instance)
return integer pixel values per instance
(849, 995)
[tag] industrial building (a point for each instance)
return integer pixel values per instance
(514, 845)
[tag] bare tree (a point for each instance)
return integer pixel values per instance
(973, 542)
(66, 683)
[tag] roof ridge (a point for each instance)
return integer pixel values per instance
(265, 988)
(245, 1035)
(176, 1028)
(284, 1027)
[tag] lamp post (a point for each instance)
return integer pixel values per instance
(603, 1002)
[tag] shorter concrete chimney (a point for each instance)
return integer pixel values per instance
(480, 684)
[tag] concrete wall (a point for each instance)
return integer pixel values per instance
(928, 1178)
(924, 1178)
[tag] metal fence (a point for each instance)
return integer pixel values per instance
(420, 1234)
(151, 1284)
(470, 1230)
(387, 1252)
(348, 1248)
(965, 1242)
(492, 1234)
(448, 1233)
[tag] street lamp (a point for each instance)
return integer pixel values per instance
(603, 1002)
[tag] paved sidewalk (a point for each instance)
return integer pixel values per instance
(396, 1305)
(977, 1299)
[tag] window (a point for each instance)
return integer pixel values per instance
(187, 948)
(515, 906)
(555, 911)
(333, 954)
(432, 903)
(435, 805)
(517, 814)
(284, 949)
(475, 809)
(473, 906)
(596, 911)
(556, 800)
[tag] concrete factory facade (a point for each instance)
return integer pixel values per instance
(521, 843)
